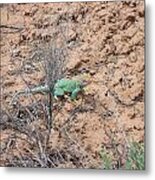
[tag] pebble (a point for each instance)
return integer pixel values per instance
(15, 52)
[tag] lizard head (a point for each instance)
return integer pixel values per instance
(83, 84)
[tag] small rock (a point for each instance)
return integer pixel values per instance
(46, 36)
(74, 63)
(15, 52)
(68, 106)
(26, 12)
(85, 60)
(92, 72)
(72, 35)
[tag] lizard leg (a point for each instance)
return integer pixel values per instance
(58, 92)
(74, 93)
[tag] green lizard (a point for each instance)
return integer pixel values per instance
(61, 87)
(68, 86)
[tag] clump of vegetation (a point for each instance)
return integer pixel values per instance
(135, 157)
(107, 159)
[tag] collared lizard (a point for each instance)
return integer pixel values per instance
(61, 87)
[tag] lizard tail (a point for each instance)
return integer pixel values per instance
(39, 89)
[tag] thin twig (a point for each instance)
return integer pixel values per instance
(11, 27)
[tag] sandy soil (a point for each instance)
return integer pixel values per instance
(105, 44)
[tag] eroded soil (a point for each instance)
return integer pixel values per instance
(105, 43)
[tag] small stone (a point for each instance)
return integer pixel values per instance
(92, 72)
(72, 35)
(15, 52)
(68, 106)
(74, 63)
